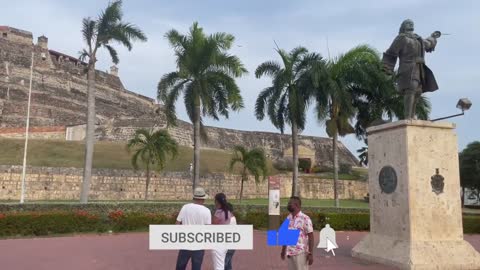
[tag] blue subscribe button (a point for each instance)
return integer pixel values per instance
(195, 237)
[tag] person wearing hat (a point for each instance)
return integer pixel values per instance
(194, 213)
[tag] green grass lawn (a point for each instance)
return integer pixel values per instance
(360, 174)
(50, 153)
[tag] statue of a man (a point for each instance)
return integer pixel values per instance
(414, 77)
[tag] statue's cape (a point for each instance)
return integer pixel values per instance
(429, 84)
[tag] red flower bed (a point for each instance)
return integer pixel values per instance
(115, 215)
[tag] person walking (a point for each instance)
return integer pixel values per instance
(222, 216)
(299, 257)
(230, 252)
(194, 213)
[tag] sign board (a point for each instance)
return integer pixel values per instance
(273, 196)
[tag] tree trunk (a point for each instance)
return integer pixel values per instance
(463, 197)
(147, 183)
(241, 189)
(90, 133)
(335, 170)
(196, 145)
(241, 185)
(295, 159)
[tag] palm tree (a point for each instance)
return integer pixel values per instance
(100, 33)
(338, 86)
(151, 148)
(205, 74)
(253, 162)
(287, 99)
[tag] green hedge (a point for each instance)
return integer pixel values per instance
(51, 219)
(338, 221)
(166, 208)
(51, 223)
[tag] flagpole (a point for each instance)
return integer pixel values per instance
(22, 196)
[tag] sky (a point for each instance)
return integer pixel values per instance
(327, 27)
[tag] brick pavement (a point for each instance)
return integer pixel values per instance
(130, 252)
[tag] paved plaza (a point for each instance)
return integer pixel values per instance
(129, 251)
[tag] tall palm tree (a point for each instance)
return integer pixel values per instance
(205, 74)
(151, 148)
(338, 89)
(287, 99)
(100, 33)
(252, 161)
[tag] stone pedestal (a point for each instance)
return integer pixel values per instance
(417, 223)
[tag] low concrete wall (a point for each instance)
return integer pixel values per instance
(45, 183)
(50, 133)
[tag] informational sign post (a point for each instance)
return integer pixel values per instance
(273, 202)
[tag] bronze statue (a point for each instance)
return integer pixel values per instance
(414, 77)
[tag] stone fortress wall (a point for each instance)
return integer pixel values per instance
(44, 183)
(59, 94)
(59, 90)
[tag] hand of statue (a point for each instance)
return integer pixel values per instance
(436, 34)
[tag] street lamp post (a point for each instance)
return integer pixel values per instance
(463, 104)
(22, 195)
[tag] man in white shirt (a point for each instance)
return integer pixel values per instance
(194, 213)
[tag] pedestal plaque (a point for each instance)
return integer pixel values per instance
(415, 207)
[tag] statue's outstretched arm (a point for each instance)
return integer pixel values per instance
(431, 42)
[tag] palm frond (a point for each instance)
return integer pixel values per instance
(108, 18)
(126, 33)
(167, 81)
(296, 53)
(229, 64)
(88, 31)
(176, 40)
(269, 68)
(262, 101)
(223, 40)
(83, 55)
(113, 53)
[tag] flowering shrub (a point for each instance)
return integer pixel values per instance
(61, 222)
(81, 213)
(85, 214)
(115, 215)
